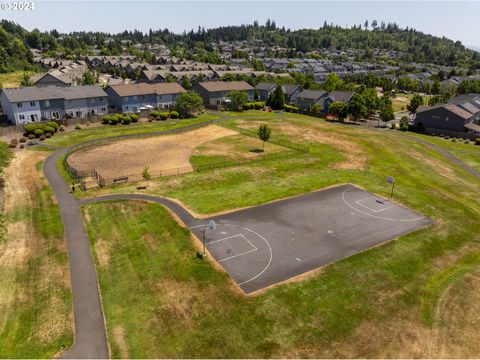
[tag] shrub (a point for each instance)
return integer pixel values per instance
(289, 108)
(174, 114)
(48, 135)
(126, 120)
(49, 129)
(53, 125)
(23, 139)
(477, 141)
(22, 146)
(42, 137)
(13, 143)
(154, 114)
(247, 106)
(30, 128)
(38, 132)
(78, 127)
(454, 140)
(134, 117)
(61, 128)
(31, 136)
(258, 105)
(113, 120)
(163, 115)
(106, 119)
(41, 126)
(466, 141)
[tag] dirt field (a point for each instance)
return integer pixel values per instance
(160, 154)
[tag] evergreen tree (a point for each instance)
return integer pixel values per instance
(277, 99)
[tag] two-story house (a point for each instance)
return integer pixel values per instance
(214, 93)
(134, 97)
(30, 104)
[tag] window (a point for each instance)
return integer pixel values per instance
(71, 113)
(46, 103)
(19, 104)
(21, 117)
(91, 100)
(144, 97)
(70, 102)
(32, 103)
(101, 98)
(103, 109)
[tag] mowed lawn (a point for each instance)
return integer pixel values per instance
(102, 131)
(160, 301)
(468, 153)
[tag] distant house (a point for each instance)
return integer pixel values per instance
(448, 119)
(136, 97)
(31, 104)
(215, 93)
(66, 75)
(265, 89)
(341, 96)
(289, 90)
(307, 98)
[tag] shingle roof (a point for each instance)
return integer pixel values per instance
(145, 89)
(343, 96)
(288, 89)
(458, 111)
(264, 86)
(34, 93)
(473, 126)
(311, 94)
(214, 86)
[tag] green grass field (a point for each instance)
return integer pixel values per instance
(161, 302)
(103, 131)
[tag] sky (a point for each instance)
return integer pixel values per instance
(459, 20)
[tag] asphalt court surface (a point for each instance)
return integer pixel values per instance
(270, 243)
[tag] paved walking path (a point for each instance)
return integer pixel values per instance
(90, 336)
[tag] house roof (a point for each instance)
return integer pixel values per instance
(289, 89)
(473, 126)
(214, 86)
(144, 89)
(311, 94)
(34, 93)
(343, 96)
(264, 86)
(458, 111)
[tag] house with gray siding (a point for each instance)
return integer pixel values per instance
(289, 90)
(136, 97)
(214, 93)
(307, 98)
(31, 104)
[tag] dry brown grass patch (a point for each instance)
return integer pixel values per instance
(121, 341)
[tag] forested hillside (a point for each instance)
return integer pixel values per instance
(14, 53)
(413, 45)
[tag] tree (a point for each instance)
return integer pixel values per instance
(186, 84)
(356, 106)
(88, 78)
(386, 111)
(333, 82)
(25, 81)
(264, 132)
(404, 123)
(339, 109)
(146, 174)
(416, 101)
(371, 101)
(188, 103)
(237, 99)
(277, 99)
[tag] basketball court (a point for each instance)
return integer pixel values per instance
(270, 243)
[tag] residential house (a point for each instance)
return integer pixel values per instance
(31, 104)
(289, 90)
(265, 89)
(136, 97)
(307, 98)
(448, 119)
(214, 93)
(341, 96)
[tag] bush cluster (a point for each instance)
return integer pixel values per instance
(290, 108)
(257, 105)
(39, 129)
(124, 119)
(163, 115)
(477, 141)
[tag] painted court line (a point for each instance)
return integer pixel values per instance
(254, 248)
(359, 202)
